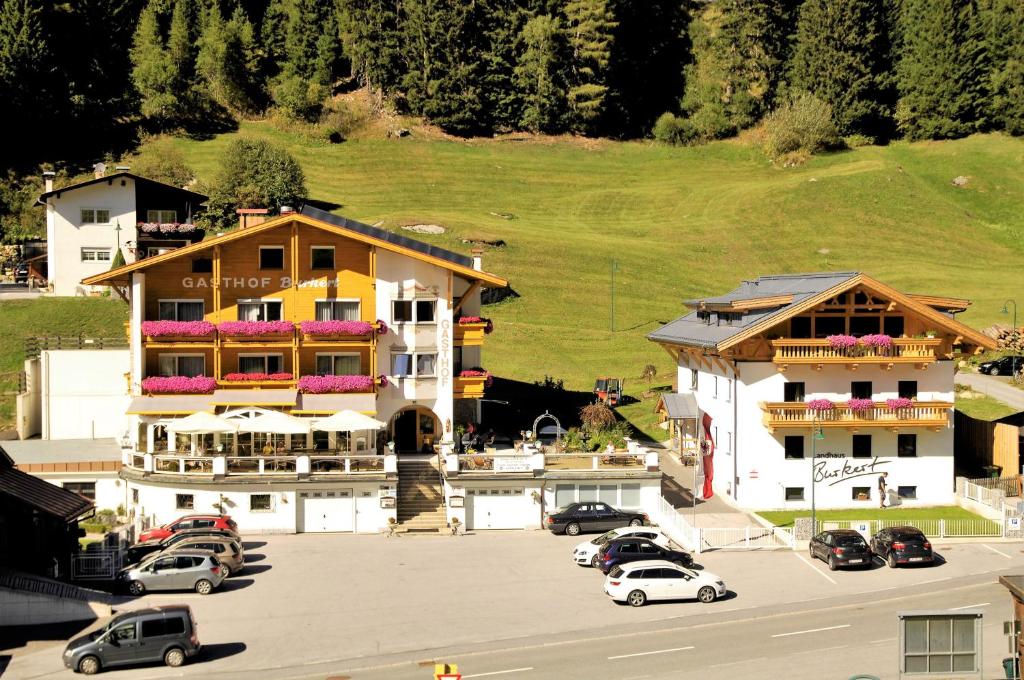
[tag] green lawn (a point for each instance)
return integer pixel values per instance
(983, 407)
(784, 518)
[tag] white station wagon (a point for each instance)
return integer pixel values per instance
(638, 582)
(585, 553)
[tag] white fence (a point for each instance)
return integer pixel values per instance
(675, 526)
(97, 564)
(933, 528)
(700, 539)
(992, 497)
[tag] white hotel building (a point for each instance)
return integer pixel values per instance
(877, 363)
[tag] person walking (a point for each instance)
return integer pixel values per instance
(881, 489)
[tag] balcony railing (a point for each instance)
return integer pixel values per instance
(531, 460)
(470, 334)
(929, 414)
(263, 466)
(921, 351)
(242, 332)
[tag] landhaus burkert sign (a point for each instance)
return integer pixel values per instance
(836, 473)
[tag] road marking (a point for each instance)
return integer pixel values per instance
(970, 606)
(511, 670)
(812, 630)
(733, 663)
(814, 569)
(878, 642)
(998, 552)
(658, 651)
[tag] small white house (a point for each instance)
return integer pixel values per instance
(88, 467)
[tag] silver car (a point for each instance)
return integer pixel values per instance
(197, 570)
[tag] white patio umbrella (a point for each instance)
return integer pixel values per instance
(203, 422)
(347, 421)
(275, 423)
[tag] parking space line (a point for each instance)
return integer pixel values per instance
(511, 670)
(998, 552)
(815, 570)
(878, 642)
(970, 606)
(812, 630)
(657, 651)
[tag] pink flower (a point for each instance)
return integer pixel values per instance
(178, 384)
(382, 380)
(336, 327)
(879, 340)
(478, 373)
(192, 329)
(842, 341)
(165, 227)
(382, 328)
(255, 327)
(860, 404)
(257, 377)
(333, 384)
(899, 403)
(820, 405)
(478, 319)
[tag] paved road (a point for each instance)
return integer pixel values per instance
(997, 387)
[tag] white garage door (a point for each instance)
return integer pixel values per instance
(327, 510)
(495, 508)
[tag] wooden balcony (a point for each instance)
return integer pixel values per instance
(469, 387)
(926, 414)
(817, 353)
(470, 334)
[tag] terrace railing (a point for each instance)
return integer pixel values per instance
(269, 466)
(933, 414)
(814, 351)
(34, 345)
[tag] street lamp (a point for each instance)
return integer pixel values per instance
(816, 434)
(1007, 311)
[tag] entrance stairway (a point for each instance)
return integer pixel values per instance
(420, 497)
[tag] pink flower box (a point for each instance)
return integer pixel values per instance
(254, 328)
(488, 328)
(842, 341)
(165, 227)
(178, 384)
(820, 405)
(899, 403)
(336, 328)
(258, 377)
(879, 340)
(183, 329)
(478, 373)
(334, 384)
(860, 405)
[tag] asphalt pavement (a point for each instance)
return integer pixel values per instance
(997, 387)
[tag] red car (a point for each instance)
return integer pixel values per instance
(223, 522)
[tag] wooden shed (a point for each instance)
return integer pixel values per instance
(980, 443)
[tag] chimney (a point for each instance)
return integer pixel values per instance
(287, 210)
(48, 180)
(478, 259)
(122, 168)
(99, 170)
(250, 217)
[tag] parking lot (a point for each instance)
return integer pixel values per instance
(307, 599)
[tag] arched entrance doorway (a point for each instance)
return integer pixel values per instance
(415, 429)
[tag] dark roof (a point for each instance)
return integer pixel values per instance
(199, 198)
(40, 494)
(384, 235)
(689, 330)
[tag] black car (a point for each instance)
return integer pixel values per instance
(21, 272)
(593, 516)
(1002, 365)
(902, 545)
(629, 549)
(166, 634)
(841, 548)
(137, 552)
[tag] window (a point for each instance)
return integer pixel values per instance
(87, 489)
(403, 365)
(794, 446)
(202, 265)
(862, 493)
(893, 326)
(425, 364)
(794, 493)
(860, 389)
(260, 502)
(861, 446)
(184, 501)
(181, 310)
(321, 257)
(188, 365)
(714, 387)
(160, 627)
(153, 251)
(457, 359)
(906, 445)
(337, 310)
(95, 254)
(728, 442)
(800, 327)
(271, 257)
(413, 311)
(259, 310)
(162, 216)
(728, 390)
(908, 389)
(793, 391)
(825, 326)
(260, 363)
(907, 492)
(135, 496)
(944, 643)
(693, 379)
(123, 633)
(95, 215)
(187, 562)
(338, 364)
(864, 325)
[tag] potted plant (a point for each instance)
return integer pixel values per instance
(860, 406)
(455, 526)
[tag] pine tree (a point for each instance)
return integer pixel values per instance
(539, 76)
(942, 70)
(228, 60)
(1004, 40)
(371, 35)
(739, 49)
(589, 30)
(839, 57)
(153, 72)
(310, 57)
(26, 86)
(501, 22)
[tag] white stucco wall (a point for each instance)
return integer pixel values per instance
(67, 235)
(110, 490)
(84, 393)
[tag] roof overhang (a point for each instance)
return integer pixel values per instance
(741, 305)
(109, 179)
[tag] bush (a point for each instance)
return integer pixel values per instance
(339, 120)
(616, 434)
(804, 124)
(573, 440)
(671, 129)
(94, 527)
(299, 98)
(254, 174)
(597, 417)
(855, 141)
(161, 160)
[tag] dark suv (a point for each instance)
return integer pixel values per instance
(166, 634)
(627, 549)
(592, 516)
(902, 545)
(841, 548)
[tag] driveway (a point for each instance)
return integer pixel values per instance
(997, 387)
(345, 600)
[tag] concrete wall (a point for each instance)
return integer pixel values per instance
(84, 393)
(20, 608)
(67, 235)
(29, 407)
